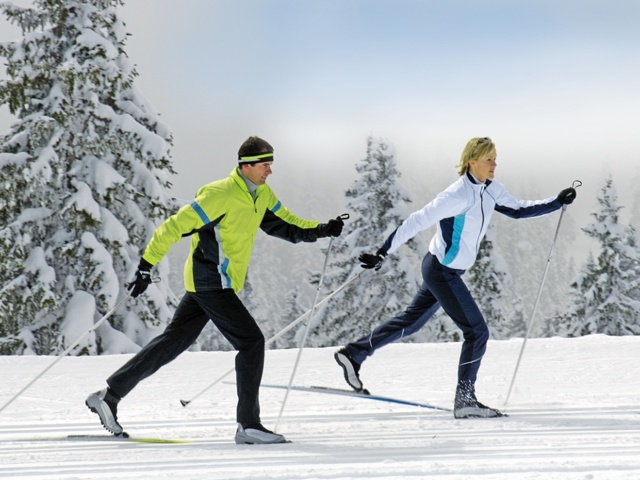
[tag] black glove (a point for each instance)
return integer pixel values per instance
(369, 260)
(567, 196)
(142, 280)
(333, 228)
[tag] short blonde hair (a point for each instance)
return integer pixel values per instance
(476, 148)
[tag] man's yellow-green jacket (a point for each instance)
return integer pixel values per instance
(223, 221)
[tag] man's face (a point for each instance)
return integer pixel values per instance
(258, 172)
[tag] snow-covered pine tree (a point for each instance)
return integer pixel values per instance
(635, 206)
(84, 174)
(605, 297)
(293, 310)
(516, 323)
(377, 206)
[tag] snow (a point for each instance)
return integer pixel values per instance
(573, 415)
(103, 268)
(111, 229)
(93, 41)
(33, 215)
(36, 262)
(78, 319)
(83, 200)
(103, 176)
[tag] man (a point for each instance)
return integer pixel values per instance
(462, 213)
(222, 221)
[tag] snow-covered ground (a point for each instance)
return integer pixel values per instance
(573, 415)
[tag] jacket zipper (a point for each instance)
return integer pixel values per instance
(481, 223)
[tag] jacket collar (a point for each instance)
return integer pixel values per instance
(475, 181)
(242, 183)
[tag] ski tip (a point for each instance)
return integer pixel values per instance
(185, 402)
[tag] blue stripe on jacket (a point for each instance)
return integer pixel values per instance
(452, 233)
(203, 216)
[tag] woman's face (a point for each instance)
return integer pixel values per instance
(484, 167)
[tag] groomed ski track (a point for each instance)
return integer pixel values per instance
(552, 433)
(541, 441)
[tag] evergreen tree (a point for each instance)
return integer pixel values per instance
(84, 174)
(635, 207)
(516, 322)
(293, 311)
(605, 297)
(376, 205)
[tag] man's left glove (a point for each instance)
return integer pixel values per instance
(333, 228)
(142, 280)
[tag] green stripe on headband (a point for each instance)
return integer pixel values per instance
(253, 158)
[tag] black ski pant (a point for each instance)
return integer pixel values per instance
(226, 311)
(442, 286)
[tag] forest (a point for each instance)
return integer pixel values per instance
(86, 171)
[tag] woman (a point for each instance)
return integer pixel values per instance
(462, 214)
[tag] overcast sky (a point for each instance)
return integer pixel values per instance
(556, 85)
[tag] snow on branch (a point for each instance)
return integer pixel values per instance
(83, 200)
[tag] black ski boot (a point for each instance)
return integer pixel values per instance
(466, 405)
(350, 370)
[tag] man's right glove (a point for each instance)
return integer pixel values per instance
(369, 260)
(142, 279)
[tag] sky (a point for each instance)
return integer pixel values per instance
(573, 415)
(553, 83)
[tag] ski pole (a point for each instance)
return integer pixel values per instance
(63, 354)
(575, 184)
(308, 327)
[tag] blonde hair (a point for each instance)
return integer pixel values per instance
(476, 148)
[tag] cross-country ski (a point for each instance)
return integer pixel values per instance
(102, 438)
(351, 393)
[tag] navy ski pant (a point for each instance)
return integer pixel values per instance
(442, 286)
(230, 316)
